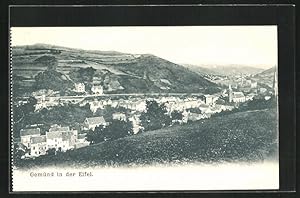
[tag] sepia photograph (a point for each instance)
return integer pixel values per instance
(136, 108)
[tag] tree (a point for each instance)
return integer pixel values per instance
(195, 110)
(118, 129)
(176, 115)
(18, 153)
(83, 75)
(259, 103)
(30, 106)
(50, 61)
(221, 101)
(155, 116)
(59, 150)
(51, 151)
(52, 79)
(96, 136)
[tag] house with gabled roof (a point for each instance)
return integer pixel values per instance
(61, 138)
(93, 122)
(97, 89)
(58, 128)
(79, 87)
(57, 137)
(26, 134)
(238, 97)
(54, 139)
(68, 140)
(38, 145)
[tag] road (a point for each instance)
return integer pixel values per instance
(123, 94)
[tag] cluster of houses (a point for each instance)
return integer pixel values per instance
(246, 85)
(133, 104)
(63, 138)
(59, 138)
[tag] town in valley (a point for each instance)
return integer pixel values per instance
(62, 97)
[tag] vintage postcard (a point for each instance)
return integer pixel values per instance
(144, 108)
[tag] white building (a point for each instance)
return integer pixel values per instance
(96, 105)
(68, 140)
(38, 145)
(61, 138)
(97, 89)
(250, 96)
(267, 97)
(210, 99)
(253, 84)
(79, 87)
(119, 116)
(93, 122)
(45, 102)
(54, 140)
(238, 97)
(136, 123)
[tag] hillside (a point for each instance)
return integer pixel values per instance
(267, 72)
(223, 70)
(221, 138)
(266, 77)
(122, 73)
(159, 75)
(201, 70)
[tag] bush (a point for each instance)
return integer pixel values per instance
(176, 116)
(155, 116)
(117, 129)
(96, 136)
(51, 151)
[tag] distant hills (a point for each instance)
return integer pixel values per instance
(268, 72)
(119, 72)
(223, 70)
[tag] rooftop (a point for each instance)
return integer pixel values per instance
(66, 135)
(97, 86)
(25, 132)
(59, 128)
(96, 120)
(238, 94)
(81, 136)
(38, 139)
(53, 135)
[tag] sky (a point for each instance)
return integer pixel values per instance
(198, 45)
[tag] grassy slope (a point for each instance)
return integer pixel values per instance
(240, 136)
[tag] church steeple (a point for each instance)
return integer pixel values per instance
(275, 83)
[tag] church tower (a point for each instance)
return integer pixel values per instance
(275, 84)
